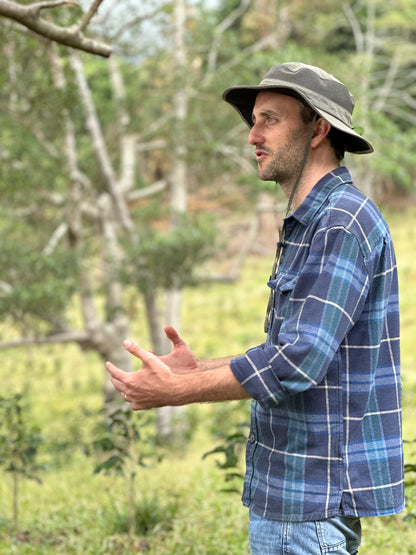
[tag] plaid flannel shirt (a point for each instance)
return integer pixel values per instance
(325, 436)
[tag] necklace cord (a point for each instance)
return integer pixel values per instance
(281, 242)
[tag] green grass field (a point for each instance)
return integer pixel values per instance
(180, 506)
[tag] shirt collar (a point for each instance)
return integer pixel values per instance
(317, 196)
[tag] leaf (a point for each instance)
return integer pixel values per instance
(218, 449)
(410, 467)
(113, 463)
(232, 475)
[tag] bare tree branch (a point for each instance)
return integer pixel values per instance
(388, 84)
(66, 337)
(57, 235)
(400, 113)
(98, 142)
(149, 191)
(355, 27)
(222, 27)
(136, 21)
(233, 153)
(30, 17)
(81, 26)
(234, 274)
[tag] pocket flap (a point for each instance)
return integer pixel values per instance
(283, 282)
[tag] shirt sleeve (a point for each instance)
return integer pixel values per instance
(312, 317)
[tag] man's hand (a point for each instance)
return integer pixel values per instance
(181, 359)
(150, 387)
(178, 378)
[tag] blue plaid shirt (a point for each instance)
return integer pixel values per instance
(325, 435)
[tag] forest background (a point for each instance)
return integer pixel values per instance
(130, 200)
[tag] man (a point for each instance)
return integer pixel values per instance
(325, 444)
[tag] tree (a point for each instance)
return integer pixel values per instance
(384, 60)
(30, 16)
(94, 216)
(19, 444)
(133, 136)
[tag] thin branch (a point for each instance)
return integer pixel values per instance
(401, 114)
(403, 98)
(98, 142)
(355, 27)
(81, 26)
(157, 143)
(57, 235)
(268, 41)
(67, 337)
(5, 287)
(234, 274)
(37, 6)
(222, 27)
(136, 21)
(229, 151)
(29, 17)
(149, 191)
(388, 84)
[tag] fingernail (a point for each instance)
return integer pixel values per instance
(127, 343)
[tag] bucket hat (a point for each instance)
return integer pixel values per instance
(325, 94)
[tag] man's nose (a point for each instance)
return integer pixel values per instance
(254, 137)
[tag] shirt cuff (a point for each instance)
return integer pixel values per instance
(255, 374)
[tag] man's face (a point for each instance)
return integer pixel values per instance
(280, 137)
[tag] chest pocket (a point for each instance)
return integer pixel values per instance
(282, 287)
(283, 283)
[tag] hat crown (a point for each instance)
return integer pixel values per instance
(323, 92)
(323, 89)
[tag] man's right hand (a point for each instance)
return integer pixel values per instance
(181, 359)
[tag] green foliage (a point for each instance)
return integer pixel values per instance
(232, 444)
(231, 448)
(153, 515)
(37, 288)
(410, 481)
(124, 442)
(180, 507)
(19, 442)
(125, 446)
(34, 182)
(165, 260)
(396, 145)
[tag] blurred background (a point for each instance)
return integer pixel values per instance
(130, 200)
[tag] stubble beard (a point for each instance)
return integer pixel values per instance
(285, 164)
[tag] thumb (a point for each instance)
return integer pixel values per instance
(173, 335)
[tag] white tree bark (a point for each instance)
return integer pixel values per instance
(169, 417)
(104, 336)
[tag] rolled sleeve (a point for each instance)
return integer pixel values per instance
(311, 318)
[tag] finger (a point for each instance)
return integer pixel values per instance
(145, 356)
(117, 376)
(139, 406)
(173, 335)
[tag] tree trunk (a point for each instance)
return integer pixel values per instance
(169, 417)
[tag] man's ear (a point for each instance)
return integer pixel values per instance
(322, 128)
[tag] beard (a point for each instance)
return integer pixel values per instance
(285, 164)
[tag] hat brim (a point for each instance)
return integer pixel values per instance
(243, 98)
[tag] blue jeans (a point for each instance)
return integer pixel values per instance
(334, 536)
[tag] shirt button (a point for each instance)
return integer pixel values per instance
(252, 438)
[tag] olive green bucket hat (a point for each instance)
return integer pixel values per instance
(321, 91)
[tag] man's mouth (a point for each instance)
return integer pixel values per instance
(261, 154)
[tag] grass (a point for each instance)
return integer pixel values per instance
(180, 506)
